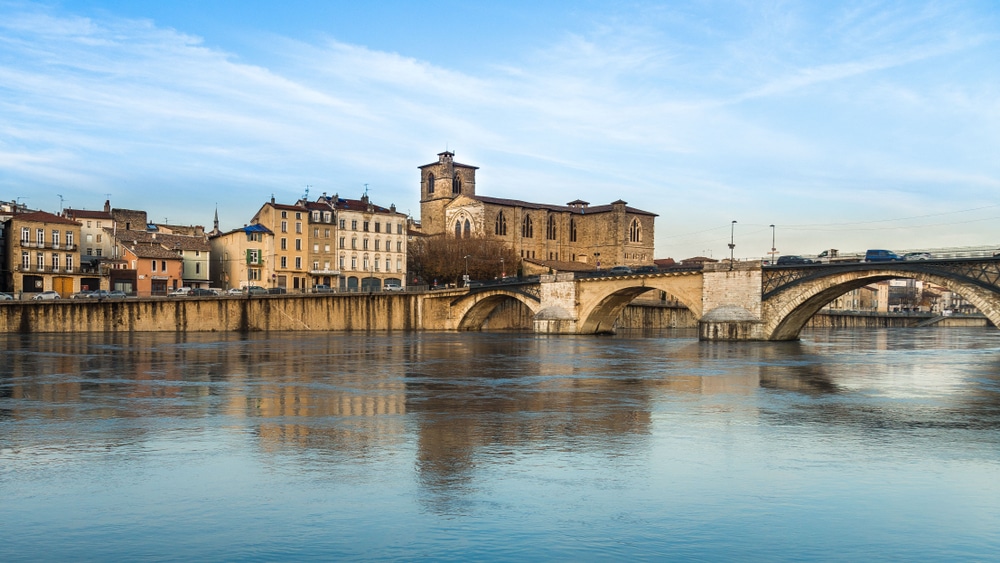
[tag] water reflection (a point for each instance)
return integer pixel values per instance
(461, 415)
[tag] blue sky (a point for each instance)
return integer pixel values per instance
(850, 125)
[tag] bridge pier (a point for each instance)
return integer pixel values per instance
(731, 301)
(559, 305)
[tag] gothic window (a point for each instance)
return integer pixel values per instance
(527, 229)
(572, 230)
(501, 226)
(468, 229)
(456, 184)
(550, 229)
(430, 183)
(458, 229)
(635, 231)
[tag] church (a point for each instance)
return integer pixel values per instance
(572, 236)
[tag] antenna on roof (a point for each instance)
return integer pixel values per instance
(307, 190)
(366, 190)
(60, 203)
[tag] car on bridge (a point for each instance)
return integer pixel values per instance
(46, 296)
(792, 260)
(877, 255)
(620, 271)
(917, 256)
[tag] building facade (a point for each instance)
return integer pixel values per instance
(43, 252)
(602, 235)
(242, 257)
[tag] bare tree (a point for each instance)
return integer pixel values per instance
(445, 258)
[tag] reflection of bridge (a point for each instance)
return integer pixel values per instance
(747, 302)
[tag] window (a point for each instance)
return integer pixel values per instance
(550, 229)
(527, 230)
(365, 242)
(55, 239)
(387, 264)
(98, 224)
(284, 244)
(343, 223)
(88, 224)
(399, 265)
(341, 262)
(354, 243)
(366, 226)
(298, 262)
(69, 238)
(253, 256)
(342, 241)
(500, 228)
(69, 262)
(284, 226)
(572, 230)
(284, 261)
(298, 215)
(354, 224)
(98, 252)
(378, 227)
(326, 248)
(298, 228)
(456, 184)
(326, 233)
(253, 274)
(354, 262)
(399, 228)
(25, 235)
(316, 233)
(458, 229)
(284, 214)
(55, 262)
(163, 265)
(326, 219)
(154, 265)
(197, 267)
(430, 183)
(468, 229)
(377, 242)
(635, 231)
(315, 264)
(40, 260)
(315, 216)
(40, 237)
(315, 247)
(399, 246)
(100, 238)
(25, 261)
(298, 244)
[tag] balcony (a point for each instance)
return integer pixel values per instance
(324, 272)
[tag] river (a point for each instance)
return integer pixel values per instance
(875, 444)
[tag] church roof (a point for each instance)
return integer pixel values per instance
(559, 208)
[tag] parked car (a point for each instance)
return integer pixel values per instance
(917, 256)
(882, 256)
(234, 291)
(105, 294)
(6, 297)
(201, 292)
(620, 271)
(179, 292)
(647, 270)
(277, 291)
(46, 296)
(389, 286)
(81, 295)
(793, 260)
(255, 290)
(321, 288)
(117, 294)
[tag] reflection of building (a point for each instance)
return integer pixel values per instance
(603, 235)
(860, 299)
(43, 254)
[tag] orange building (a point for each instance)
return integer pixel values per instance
(157, 269)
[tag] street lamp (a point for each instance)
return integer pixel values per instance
(503, 271)
(466, 278)
(732, 243)
(773, 250)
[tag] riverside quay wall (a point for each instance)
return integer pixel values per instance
(363, 312)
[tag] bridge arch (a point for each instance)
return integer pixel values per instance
(786, 311)
(473, 310)
(603, 299)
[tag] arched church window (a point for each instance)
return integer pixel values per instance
(468, 229)
(527, 229)
(500, 228)
(456, 184)
(572, 230)
(458, 229)
(635, 231)
(430, 183)
(550, 228)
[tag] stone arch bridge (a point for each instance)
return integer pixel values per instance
(744, 302)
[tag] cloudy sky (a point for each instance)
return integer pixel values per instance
(845, 124)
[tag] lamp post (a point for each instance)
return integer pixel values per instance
(773, 251)
(732, 243)
(466, 278)
(503, 271)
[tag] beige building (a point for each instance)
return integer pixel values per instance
(44, 253)
(602, 236)
(370, 243)
(289, 224)
(242, 257)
